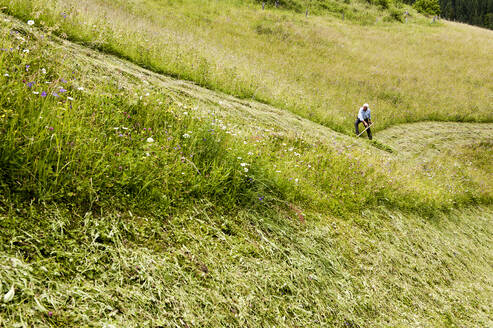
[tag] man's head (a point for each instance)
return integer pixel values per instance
(365, 107)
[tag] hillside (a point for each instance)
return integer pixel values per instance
(132, 198)
(319, 67)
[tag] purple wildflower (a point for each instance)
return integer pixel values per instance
(62, 90)
(30, 84)
(50, 314)
(51, 128)
(261, 198)
(27, 67)
(43, 94)
(54, 94)
(63, 81)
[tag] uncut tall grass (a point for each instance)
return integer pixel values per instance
(320, 67)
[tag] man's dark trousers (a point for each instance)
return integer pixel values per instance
(358, 121)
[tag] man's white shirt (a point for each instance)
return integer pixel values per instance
(364, 115)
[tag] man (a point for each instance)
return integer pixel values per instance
(365, 118)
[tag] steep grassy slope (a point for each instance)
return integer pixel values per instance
(465, 146)
(319, 67)
(234, 213)
(210, 269)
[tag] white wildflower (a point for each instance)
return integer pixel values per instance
(186, 135)
(108, 325)
(296, 180)
(147, 154)
(36, 92)
(250, 153)
(245, 169)
(239, 158)
(30, 22)
(150, 140)
(25, 51)
(6, 75)
(70, 98)
(185, 113)
(43, 71)
(124, 128)
(80, 88)
(243, 164)
(9, 296)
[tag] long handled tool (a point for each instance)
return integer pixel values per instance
(369, 126)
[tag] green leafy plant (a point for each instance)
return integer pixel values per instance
(429, 7)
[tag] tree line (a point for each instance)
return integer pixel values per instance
(475, 12)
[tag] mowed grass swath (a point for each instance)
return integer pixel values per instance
(130, 199)
(319, 67)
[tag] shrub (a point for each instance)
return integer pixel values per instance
(385, 4)
(394, 15)
(430, 7)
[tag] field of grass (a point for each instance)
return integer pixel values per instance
(319, 67)
(129, 198)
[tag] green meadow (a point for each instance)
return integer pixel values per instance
(192, 164)
(319, 67)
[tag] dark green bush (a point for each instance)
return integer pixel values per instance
(385, 4)
(429, 7)
(394, 15)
